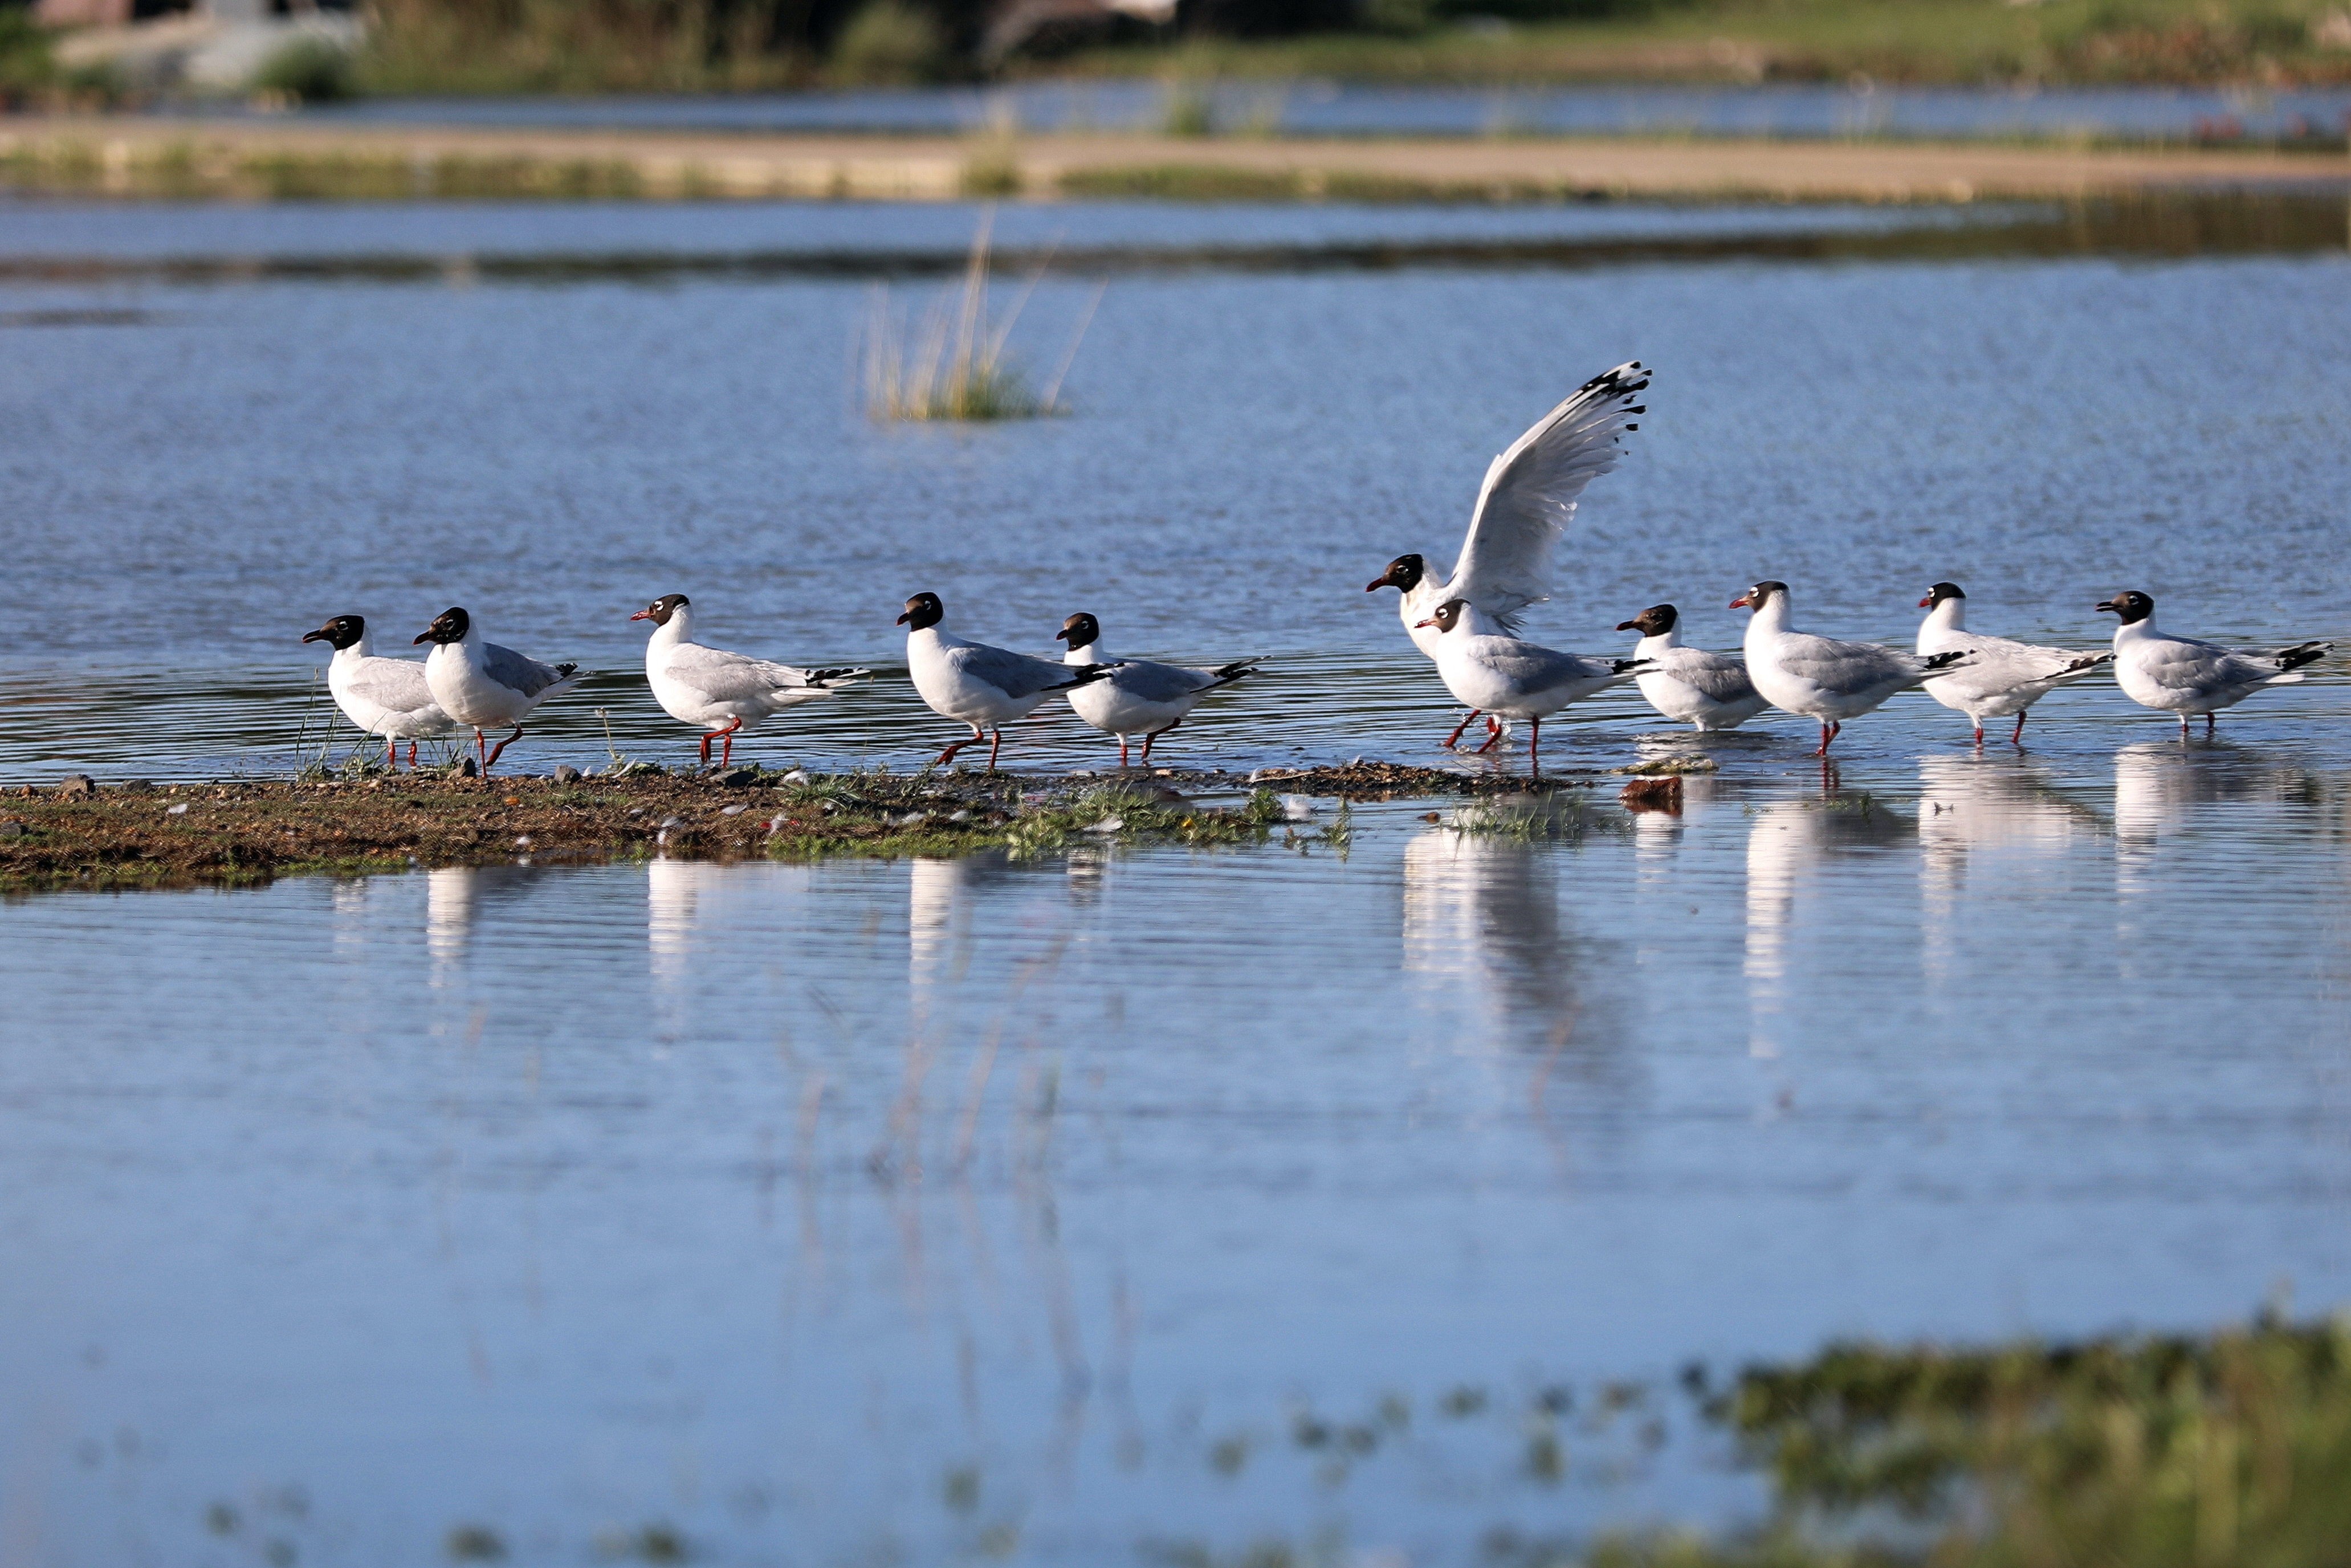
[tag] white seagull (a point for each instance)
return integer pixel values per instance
(1513, 679)
(385, 697)
(2004, 677)
(1139, 697)
(717, 690)
(1822, 677)
(479, 683)
(1522, 510)
(975, 684)
(1710, 689)
(2184, 676)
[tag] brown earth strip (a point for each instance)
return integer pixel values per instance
(160, 155)
(136, 836)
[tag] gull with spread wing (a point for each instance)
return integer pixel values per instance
(975, 684)
(1522, 509)
(477, 682)
(385, 697)
(719, 691)
(2005, 677)
(2184, 676)
(1140, 697)
(1825, 678)
(1513, 679)
(1710, 691)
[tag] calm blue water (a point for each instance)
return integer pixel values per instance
(920, 1211)
(1334, 109)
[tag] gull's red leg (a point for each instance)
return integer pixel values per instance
(2017, 737)
(726, 743)
(499, 750)
(1534, 747)
(995, 746)
(1462, 726)
(944, 758)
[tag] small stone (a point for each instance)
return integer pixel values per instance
(522, 841)
(959, 816)
(733, 811)
(11, 829)
(1107, 824)
(469, 771)
(74, 786)
(1296, 807)
(797, 776)
(739, 778)
(636, 811)
(1081, 773)
(566, 773)
(179, 810)
(669, 821)
(138, 787)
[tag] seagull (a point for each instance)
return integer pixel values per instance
(479, 683)
(2004, 677)
(1820, 677)
(385, 697)
(1710, 689)
(975, 684)
(2185, 676)
(1522, 510)
(719, 690)
(1513, 678)
(1141, 697)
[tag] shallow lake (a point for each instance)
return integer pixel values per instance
(1315, 108)
(1059, 1211)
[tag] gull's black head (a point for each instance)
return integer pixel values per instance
(921, 610)
(450, 626)
(1939, 593)
(1756, 598)
(1079, 630)
(1654, 621)
(1404, 571)
(661, 609)
(342, 632)
(2130, 604)
(1447, 616)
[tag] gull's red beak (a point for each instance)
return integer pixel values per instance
(1628, 626)
(1374, 587)
(1926, 603)
(1418, 624)
(1744, 602)
(643, 614)
(902, 619)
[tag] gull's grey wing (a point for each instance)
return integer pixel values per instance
(1534, 669)
(1717, 676)
(1840, 666)
(1160, 682)
(725, 677)
(1530, 492)
(2001, 664)
(1014, 674)
(521, 673)
(397, 684)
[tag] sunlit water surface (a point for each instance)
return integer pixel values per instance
(1050, 1210)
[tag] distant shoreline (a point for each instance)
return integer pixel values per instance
(139, 156)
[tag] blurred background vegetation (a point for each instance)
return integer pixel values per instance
(597, 46)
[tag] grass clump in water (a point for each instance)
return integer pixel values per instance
(954, 365)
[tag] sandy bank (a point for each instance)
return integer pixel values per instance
(139, 155)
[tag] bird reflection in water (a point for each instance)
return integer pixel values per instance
(1482, 920)
(2161, 785)
(2006, 811)
(457, 899)
(1788, 840)
(673, 897)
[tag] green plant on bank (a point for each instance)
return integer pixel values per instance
(888, 43)
(1482, 41)
(26, 65)
(954, 365)
(307, 70)
(1553, 815)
